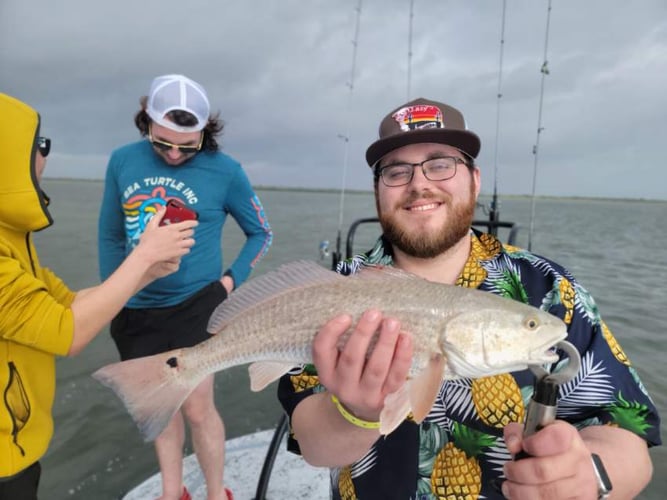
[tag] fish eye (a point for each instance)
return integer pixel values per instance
(531, 323)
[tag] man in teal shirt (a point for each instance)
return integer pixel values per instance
(179, 159)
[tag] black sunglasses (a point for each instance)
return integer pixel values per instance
(44, 146)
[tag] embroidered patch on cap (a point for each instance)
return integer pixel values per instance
(419, 117)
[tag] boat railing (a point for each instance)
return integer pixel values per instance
(269, 460)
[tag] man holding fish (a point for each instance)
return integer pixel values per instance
(462, 444)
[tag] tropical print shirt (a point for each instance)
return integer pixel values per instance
(458, 450)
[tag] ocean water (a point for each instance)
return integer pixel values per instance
(616, 249)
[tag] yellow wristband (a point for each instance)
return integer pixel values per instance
(364, 424)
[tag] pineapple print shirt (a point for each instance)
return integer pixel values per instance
(458, 450)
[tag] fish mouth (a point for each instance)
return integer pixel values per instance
(547, 356)
(546, 351)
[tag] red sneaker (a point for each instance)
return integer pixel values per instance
(229, 494)
(186, 494)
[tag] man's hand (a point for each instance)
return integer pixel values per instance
(559, 465)
(359, 380)
(227, 282)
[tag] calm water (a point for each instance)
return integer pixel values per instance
(615, 248)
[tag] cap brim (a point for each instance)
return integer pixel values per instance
(466, 141)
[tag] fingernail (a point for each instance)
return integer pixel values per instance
(392, 323)
(511, 439)
(342, 319)
(372, 315)
(404, 339)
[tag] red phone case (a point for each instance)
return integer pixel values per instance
(177, 212)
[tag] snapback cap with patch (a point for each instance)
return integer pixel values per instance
(422, 120)
(177, 93)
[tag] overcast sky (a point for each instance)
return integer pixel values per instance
(279, 73)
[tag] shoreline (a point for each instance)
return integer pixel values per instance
(260, 187)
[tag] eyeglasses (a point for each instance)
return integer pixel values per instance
(434, 169)
(186, 149)
(44, 146)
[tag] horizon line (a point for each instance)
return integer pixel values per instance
(369, 191)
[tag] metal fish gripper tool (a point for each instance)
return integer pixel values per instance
(544, 402)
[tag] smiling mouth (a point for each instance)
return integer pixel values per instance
(422, 208)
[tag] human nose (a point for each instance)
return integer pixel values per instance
(418, 175)
(174, 153)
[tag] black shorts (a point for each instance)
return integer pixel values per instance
(143, 332)
(22, 486)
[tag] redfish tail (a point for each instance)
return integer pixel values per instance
(150, 388)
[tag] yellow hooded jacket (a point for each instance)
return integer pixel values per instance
(36, 322)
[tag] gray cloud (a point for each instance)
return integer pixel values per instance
(279, 72)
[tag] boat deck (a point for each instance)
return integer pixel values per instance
(291, 477)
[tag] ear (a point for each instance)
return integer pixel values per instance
(476, 178)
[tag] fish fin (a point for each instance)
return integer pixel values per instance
(297, 274)
(416, 396)
(150, 388)
(262, 373)
(396, 408)
(425, 388)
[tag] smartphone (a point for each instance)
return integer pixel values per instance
(178, 212)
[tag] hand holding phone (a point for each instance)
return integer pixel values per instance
(178, 212)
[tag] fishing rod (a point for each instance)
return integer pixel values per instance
(494, 212)
(545, 71)
(337, 255)
(409, 82)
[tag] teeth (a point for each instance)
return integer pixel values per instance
(422, 208)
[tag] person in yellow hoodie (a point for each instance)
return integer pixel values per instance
(41, 317)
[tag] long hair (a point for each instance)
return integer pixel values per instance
(211, 131)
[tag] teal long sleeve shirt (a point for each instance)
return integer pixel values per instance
(214, 184)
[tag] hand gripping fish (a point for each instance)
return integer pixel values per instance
(271, 320)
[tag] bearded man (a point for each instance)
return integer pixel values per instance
(426, 185)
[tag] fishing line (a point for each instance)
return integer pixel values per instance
(545, 71)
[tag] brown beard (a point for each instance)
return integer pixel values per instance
(423, 245)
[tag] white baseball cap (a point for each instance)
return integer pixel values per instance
(177, 92)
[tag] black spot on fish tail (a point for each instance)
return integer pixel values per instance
(173, 362)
